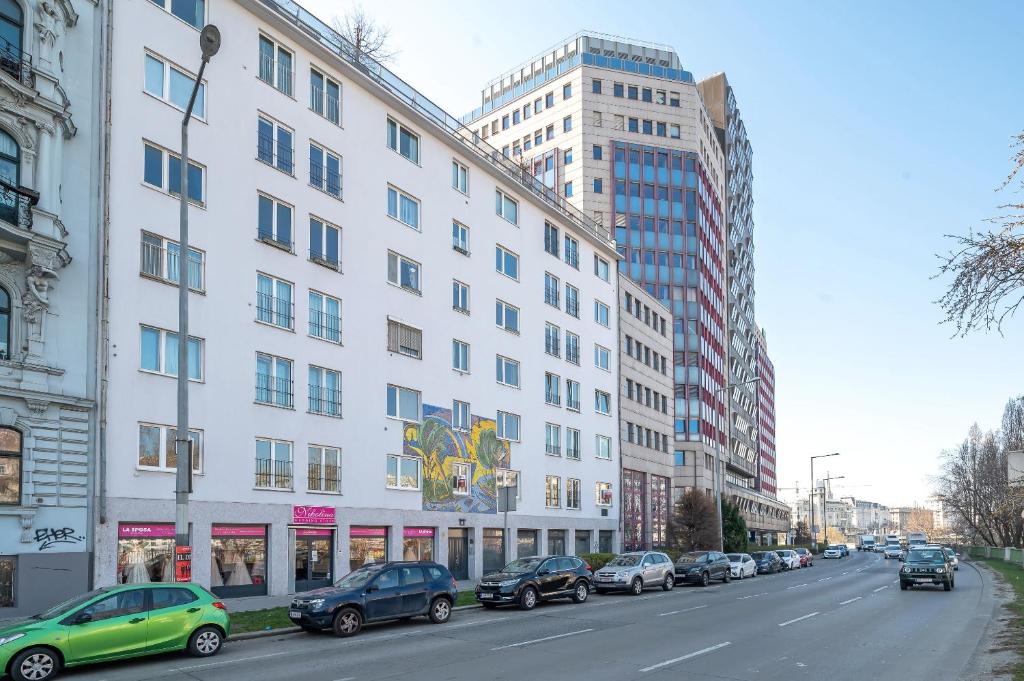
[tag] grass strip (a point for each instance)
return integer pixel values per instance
(1013, 575)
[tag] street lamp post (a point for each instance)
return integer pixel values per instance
(209, 43)
(824, 507)
(717, 476)
(814, 535)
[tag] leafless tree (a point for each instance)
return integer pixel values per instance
(694, 523)
(369, 38)
(988, 267)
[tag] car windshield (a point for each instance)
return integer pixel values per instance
(926, 556)
(67, 606)
(759, 555)
(523, 565)
(358, 578)
(692, 557)
(735, 558)
(625, 560)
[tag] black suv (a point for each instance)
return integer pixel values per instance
(377, 592)
(702, 566)
(926, 566)
(525, 581)
(768, 562)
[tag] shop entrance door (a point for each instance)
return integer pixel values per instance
(313, 562)
(458, 553)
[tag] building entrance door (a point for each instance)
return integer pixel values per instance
(458, 552)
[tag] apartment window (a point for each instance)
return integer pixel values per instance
(629, 432)
(572, 395)
(601, 313)
(527, 111)
(460, 479)
(404, 339)
(595, 86)
(551, 289)
(157, 447)
(549, 100)
(552, 389)
(192, 12)
(567, 91)
(516, 117)
(572, 252)
(324, 391)
(324, 243)
(274, 144)
(160, 259)
(572, 494)
(634, 125)
(552, 340)
(275, 304)
(508, 426)
(538, 138)
(403, 207)
(324, 317)
(602, 402)
(567, 124)
(659, 97)
(603, 446)
(679, 458)
(323, 473)
(647, 95)
(598, 119)
(506, 262)
(552, 491)
(273, 463)
(162, 170)
(274, 384)
(632, 91)
(572, 300)
(598, 185)
(598, 152)
(460, 237)
(507, 371)
(460, 177)
(661, 129)
(603, 494)
(324, 170)
(567, 189)
(602, 357)
(506, 316)
(549, 132)
(403, 472)
(648, 127)
(673, 99)
(274, 222)
(159, 353)
(618, 90)
(403, 141)
(460, 296)
(504, 151)
(552, 439)
(551, 238)
(403, 403)
(460, 356)
(403, 272)
(572, 348)
(567, 157)
(275, 65)
(174, 86)
(461, 419)
(325, 96)
(673, 131)
(504, 122)
(506, 207)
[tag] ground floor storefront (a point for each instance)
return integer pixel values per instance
(645, 510)
(268, 549)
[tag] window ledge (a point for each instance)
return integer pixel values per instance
(274, 489)
(287, 248)
(337, 197)
(275, 326)
(276, 406)
(173, 376)
(320, 492)
(322, 413)
(280, 170)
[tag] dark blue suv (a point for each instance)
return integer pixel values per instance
(377, 592)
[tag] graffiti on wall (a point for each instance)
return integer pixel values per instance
(458, 465)
(48, 537)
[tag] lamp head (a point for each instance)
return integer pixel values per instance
(209, 41)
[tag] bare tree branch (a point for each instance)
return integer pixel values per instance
(369, 38)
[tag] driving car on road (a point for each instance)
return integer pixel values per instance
(843, 549)
(114, 623)
(893, 551)
(926, 566)
(527, 581)
(832, 552)
(377, 592)
(635, 570)
(806, 557)
(789, 559)
(951, 556)
(742, 565)
(701, 567)
(768, 562)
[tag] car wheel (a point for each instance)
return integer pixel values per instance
(582, 591)
(35, 664)
(946, 586)
(727, 577)
(669, 582)
(705, 579)
(440, 610)
(637, 587)
(740, 574)
(347, 622)
(206, 641)
(528, 598)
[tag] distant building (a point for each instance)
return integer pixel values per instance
(904, 519)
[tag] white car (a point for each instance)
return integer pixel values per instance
(832, 552)
(742, 565)
(790, 559)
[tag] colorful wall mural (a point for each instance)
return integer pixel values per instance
(441, 447)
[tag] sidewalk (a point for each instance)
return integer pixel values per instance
(249, 603)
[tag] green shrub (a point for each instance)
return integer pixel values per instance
(596, 560)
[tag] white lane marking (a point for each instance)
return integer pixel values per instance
(880, 588)
(473, 623)
(798, 619)
(743, 598)
(539, 640)
(846, 573)
(847, 602)
(796, 586)
(223, 662)
(676, 612)
(347, 678)
(703, 651)
(824, 579)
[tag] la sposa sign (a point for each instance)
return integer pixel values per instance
(313, 515)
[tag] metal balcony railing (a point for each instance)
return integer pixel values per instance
(572, 453)
(572, 354)
(273, 153)
(274, 390)
(324, 400)
(276, 73)
(553, 449)
(572, 306)
(274, 239)
(323, 478)
(551, 295)
(325, 325)
(16, 63)
(325, 179)
(162, 263)
(16, 204)
(273, 474)
(273, 310)
(324, 103)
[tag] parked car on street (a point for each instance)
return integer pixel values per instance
(843, 549)
(700, 567)
(768, 562)
(114, 623)
(806, 557)
(893, 551)
(377, 592)
(926, 565)
(832, 552)
(635, 570)
(951, 556)
(527, 581)
(742, 565)
(789, 559)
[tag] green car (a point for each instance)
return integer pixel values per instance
(114, 623)
(926, 566)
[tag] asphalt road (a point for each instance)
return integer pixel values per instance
(841, 619)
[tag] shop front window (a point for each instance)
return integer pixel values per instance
(605, 540)
(10, 466)
(238, 560)
(418, 543)
(144, 553)
(494, 549)
(556, 542)
(367, 545)
(582, 542)
(526, 541)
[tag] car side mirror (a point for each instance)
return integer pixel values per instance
(545, 571)
(82, 618)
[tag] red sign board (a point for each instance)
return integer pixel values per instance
(132, 530)
(239, 531)
(313, 515)
(368, 532)
(183, 563)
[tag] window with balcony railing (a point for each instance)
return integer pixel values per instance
(324, 243)
(274, 301)
(572, 444)
(405, 340)
(273, 464)
(324, 317)
(552, 439)
(324, 170)
(159, 258)
(274, 222)
(274, 385)
(324, 470)
(325, 96)
(572, 300)
(552, 389)
(552, 340)
(274, 145)
(551, 290)
(324, 391)
(275, 65)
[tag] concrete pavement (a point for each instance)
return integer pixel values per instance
(842, 619)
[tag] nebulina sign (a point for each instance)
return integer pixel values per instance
(313, 515)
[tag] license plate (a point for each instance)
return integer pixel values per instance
(604, 579)
(925, 580)
(485, 597)
(294, 613)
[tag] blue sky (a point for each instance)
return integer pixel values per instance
(877, 128)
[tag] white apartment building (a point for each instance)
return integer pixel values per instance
(379, 336)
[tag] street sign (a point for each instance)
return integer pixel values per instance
(183, 564)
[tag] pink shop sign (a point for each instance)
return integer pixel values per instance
(133, 530)
(313, 515)
(418, 532)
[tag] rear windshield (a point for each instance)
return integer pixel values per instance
(759, 555)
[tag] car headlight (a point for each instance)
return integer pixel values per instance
(509, 582)
(694, 569)
(940, 570)
(906, 569)
(11, 637)
(316, 603)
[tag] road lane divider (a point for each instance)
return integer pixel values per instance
(541, 640)
(798, 619)
(676, 612)
(851, 600)
(696, 653)
(795, 586)
(880, 588)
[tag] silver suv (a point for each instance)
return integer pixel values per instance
(635, 570)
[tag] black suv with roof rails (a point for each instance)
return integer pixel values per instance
(527, 581)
